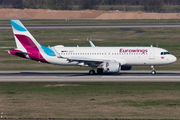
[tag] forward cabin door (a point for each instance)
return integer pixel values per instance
(151, 53)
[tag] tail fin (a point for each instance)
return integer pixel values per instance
(23, 38)
(26, 44)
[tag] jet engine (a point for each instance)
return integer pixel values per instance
(111, 66)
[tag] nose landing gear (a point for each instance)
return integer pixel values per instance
(153, 70)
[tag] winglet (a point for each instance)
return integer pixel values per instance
(91, 43)
(56, 53)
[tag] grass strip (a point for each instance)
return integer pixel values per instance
(91, 21)
(125, 100)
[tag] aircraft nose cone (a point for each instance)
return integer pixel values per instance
(174, 59)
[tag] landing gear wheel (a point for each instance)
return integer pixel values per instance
(153, 72)
(99, 71)
(91, 72)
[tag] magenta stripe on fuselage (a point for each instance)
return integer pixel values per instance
(31, 48)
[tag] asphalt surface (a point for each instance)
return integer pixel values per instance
(83, 76)
(93, 26)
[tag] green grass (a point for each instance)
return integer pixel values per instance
(171, 7)
(148, 103)
(119, 7)
(90, 22)
(135, 100)
(129, 7)
(167, 38)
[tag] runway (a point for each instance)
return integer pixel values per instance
(93, 26)
(83, 76)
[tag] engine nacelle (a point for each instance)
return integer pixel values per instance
(111, 66)
(126, 67)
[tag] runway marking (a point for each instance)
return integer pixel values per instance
(82, 76)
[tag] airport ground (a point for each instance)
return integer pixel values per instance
(94, 100)
(83, 76)
(91, 21)
(84, 14)
(128, 100)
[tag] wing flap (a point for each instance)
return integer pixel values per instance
(84, 59)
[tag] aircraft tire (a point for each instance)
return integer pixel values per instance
(91, 72)
(99, 71)
(153, 72)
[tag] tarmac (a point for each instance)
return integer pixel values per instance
(83, 76)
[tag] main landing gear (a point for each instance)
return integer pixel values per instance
(91, 72)
(153, 70)
(99, 71)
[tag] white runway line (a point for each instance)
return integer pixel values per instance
(82, 76)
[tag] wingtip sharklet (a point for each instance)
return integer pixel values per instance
(91, 43)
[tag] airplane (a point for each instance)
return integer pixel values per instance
(105, 59)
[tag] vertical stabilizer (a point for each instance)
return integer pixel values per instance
(22, 36)
(26, 43)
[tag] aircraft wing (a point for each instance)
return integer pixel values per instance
(88, 61)
(85, 60)
(77, 58)
(91, 43)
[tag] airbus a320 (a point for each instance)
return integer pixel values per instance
(104, 59)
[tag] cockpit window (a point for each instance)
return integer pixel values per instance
(164, 53)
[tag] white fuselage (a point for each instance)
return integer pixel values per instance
(131, 56)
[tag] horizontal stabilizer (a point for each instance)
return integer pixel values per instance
(20, 52)
(16, 51)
